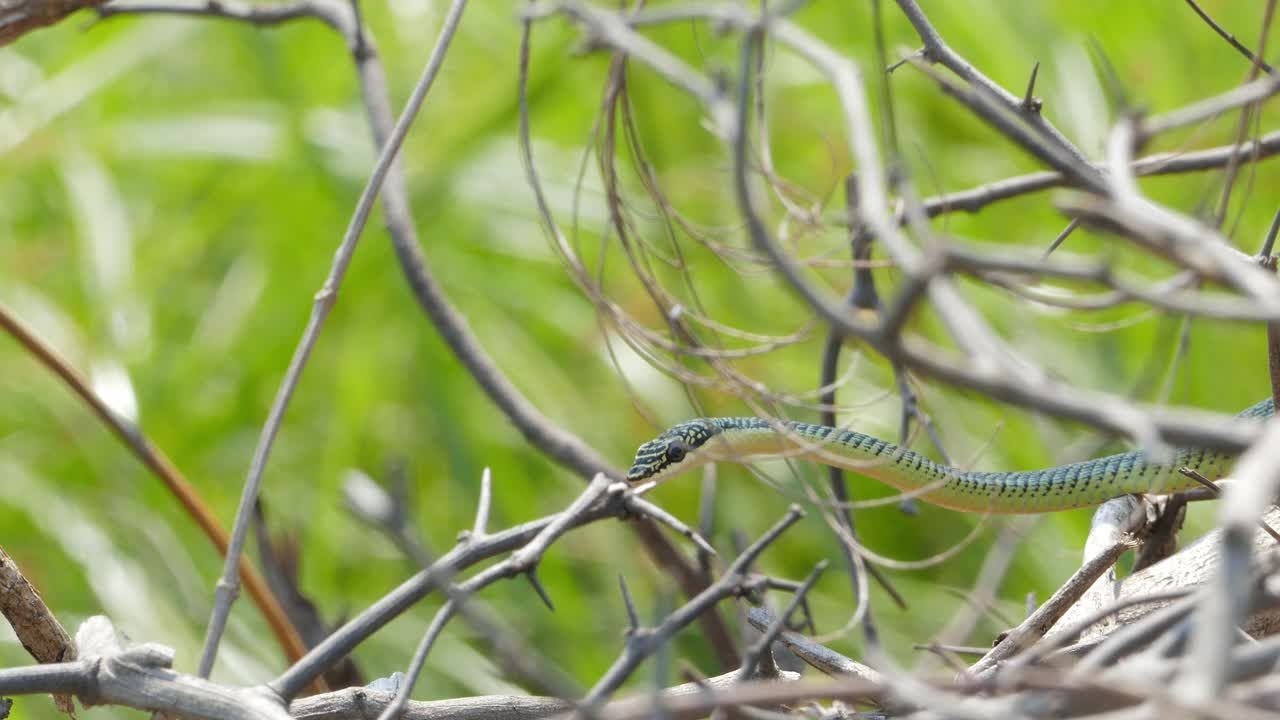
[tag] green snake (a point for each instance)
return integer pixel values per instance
(735, 439)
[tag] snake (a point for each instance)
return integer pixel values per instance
(695, 443)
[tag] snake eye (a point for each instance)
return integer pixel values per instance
(675, 453)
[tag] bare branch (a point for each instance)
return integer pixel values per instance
(976, 199)
(228, 585)
(1257, 477)
(821, 657)
(988, 107)
(19, 17)
(1249, 93)
(762, 646)
(1035, 626)
(1010, 381)
(640, 645)
(35, 626)
(1231, 39)
(139, 677)
(936, 50)
(230, 10)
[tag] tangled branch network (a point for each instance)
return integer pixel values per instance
(727, 271)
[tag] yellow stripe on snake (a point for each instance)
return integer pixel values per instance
(698, 442)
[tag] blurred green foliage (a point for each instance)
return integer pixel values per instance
(173, 193)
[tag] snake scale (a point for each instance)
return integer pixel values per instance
(736, 439)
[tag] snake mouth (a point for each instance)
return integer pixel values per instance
(638, 473)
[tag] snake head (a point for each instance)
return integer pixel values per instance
(673, 452)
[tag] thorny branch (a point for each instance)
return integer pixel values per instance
(986, 367)
(555, 441)
(228, 584)
(641, 642)
(618, 501)
(1231, 39)
(598, 502)
(1111, 199)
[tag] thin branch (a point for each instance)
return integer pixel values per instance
(614, 503)
(225, 9)
(394, 708)
(1257, 476)
(752, 658)
(139, 677)
(1064, 636)
(1062, 236)
(1035, 626)
(817, 655)
(522, 561)
(1247, 116)
(975, 199)
(1135, 635)
(1183, 239)
(525, 560)
(1231, 39)
(1248, 94)
(1217, 492)
(639, 645)
(1008, 381)
(559, 444)
(325, 299)
(936, 50)
(1008, 122)
(640, 506)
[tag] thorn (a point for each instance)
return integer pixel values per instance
(1195, 475)
(767, 664)
(1270, 241)
(1213, 487)
(1030, 103)
(1071, 227)
(632, 616)
(485, 503)
(702, 543)
(808, 616)
(532, 574)
(906, 59)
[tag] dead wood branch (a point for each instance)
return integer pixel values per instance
(19, 17)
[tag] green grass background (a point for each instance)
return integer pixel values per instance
(173, 192)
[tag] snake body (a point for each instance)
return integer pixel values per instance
(735, 439)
